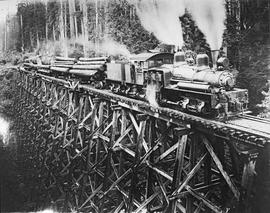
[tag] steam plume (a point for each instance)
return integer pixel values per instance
(151, 94)
(107, 46)
(111, 47)
(209, 15)
(161, 17)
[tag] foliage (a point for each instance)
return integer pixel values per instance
(193, 37)
(254, 70)
(6, 89)
(52, 18)
(33, 18)
(247, 47)
(125, 27)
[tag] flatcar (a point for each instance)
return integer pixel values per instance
(86, 70)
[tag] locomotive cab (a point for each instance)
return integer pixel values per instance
(129, 78)
(155, 79)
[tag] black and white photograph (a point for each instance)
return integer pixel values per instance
(135, 106)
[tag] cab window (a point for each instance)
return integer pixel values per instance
(159, 62)
(151, 63)
(167, 61)
(145, 64)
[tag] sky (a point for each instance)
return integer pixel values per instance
(7, 7)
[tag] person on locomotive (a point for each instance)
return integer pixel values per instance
(222, 106)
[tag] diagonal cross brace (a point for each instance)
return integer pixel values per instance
(220, 167)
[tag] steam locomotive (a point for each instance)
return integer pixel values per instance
(180, 82)
(173, 80)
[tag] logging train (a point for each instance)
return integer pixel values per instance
(180, 81)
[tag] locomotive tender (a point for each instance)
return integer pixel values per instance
(174, 80)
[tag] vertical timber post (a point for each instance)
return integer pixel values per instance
(109, 155)
(134, 179)
(179, 163)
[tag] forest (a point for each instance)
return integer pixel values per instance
(95, 27)
(76, 28)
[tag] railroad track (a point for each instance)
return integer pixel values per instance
(244, 128)
(252, 123)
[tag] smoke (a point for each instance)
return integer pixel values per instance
(107, 46)
(151, 95)
(47, 50)
(111, 47)
(209, 15)
(161, 17)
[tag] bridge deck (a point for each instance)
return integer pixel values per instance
(246, 128)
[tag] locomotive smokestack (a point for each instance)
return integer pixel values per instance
(214, 55)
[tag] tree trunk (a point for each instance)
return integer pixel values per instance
(75, 21)
(22, 35)
(106, 28)
(62, 29)
(97, 28)
(53, 33)
(85, 26)
(71, 8)
(46, 16)
(37, 36)
(5, 44)
(65, 19)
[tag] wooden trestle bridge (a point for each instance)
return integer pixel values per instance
(99, 152)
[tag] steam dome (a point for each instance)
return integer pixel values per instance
(179, 57)
(202, 60)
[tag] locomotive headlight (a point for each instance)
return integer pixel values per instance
(223, 61)
(230, 82)
(226, 79)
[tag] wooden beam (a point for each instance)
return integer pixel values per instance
(134, 178)
(208, 203)
(220, 167)
(190, 175)
(178, 167)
